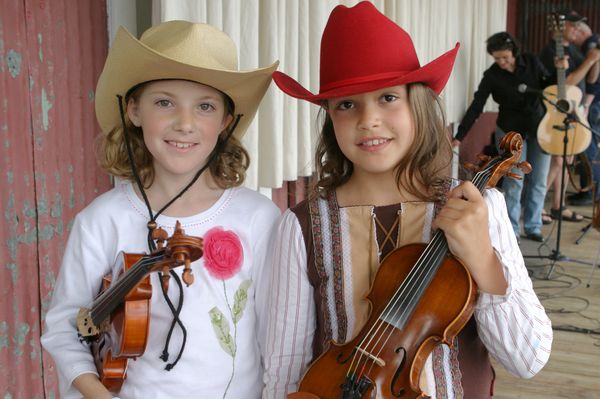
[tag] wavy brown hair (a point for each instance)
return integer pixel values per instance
(228, 168)
(431, 151)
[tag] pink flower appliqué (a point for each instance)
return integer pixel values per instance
(223, 253)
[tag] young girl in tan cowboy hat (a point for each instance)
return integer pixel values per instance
(176, 152)
(381, 159)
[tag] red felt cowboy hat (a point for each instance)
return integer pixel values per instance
(362, 50)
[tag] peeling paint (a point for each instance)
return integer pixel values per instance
(7, 396)
(13, 61)
(3, 335)
(40, 53)
(13, 272)
(46, 233)
(29, 210)
(10, 177)
(46, 106)
(50, 279)
(56, 211)
(19, 339)
(1, 55)
(91, 96)
(71, 193)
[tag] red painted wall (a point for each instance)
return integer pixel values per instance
(51, 53)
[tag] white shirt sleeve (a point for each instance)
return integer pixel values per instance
(291, 311)
(514, 327)
(77, 280)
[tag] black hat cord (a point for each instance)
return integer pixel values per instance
(152, 225)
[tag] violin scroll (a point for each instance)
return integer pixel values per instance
(511, 146)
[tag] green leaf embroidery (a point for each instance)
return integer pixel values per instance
(240, 299)
(221, 327)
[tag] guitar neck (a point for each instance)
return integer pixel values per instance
(112, 297)
(560, 72)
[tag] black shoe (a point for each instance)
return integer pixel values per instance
(534, 237)
(580, 198)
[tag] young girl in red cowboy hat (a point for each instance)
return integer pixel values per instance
(381, 160)
(173, 107)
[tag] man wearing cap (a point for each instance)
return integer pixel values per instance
(586, 41)
(579, 66)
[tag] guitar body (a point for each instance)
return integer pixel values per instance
(128, 333)
(550, 132)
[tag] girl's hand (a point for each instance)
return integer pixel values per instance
(90, 387)
(464, 220)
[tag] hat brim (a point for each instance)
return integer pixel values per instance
(130, 63)
(435, 74)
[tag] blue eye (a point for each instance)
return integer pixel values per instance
(163, 103)
(206, 107)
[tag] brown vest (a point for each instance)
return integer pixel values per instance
(477, 374)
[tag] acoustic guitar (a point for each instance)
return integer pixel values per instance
(551, 130)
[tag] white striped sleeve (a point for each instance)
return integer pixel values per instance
(290, 311)
(514, 327)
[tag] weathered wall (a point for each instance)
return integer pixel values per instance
(51, 53)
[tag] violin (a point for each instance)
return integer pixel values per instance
(118, 321)
(421, 297)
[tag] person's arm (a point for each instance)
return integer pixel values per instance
(578, 74)
(291, 313)
(475, 109)
(90, 387)
(514, 326)
(78, 282)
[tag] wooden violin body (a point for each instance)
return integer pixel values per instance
(117, 323)
(421, 297)
(393, 357)
(129, 325)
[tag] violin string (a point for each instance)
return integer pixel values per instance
(423, 273)
(111, 298)
(377, 335)
(416, 273)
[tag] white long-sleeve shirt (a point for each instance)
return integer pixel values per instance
(514, 327)
(116, 221)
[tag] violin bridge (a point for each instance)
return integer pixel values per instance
(378, 361)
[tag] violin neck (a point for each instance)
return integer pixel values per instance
(114, 295)
(413, 288)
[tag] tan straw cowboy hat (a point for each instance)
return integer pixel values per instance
(178, 50)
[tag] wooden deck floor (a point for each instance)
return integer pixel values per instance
(573, 370)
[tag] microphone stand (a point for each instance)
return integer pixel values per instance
(570, 117)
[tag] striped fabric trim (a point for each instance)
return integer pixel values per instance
(317, 232)
(338, 271)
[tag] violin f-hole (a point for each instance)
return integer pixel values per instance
(339, 359)
(400, 392)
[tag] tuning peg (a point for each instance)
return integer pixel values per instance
(165, 278)
(188, 277)
(525, 167)
(160, 236)
(514, 176)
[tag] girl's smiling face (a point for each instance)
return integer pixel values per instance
(181, 121)
(374, 130)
